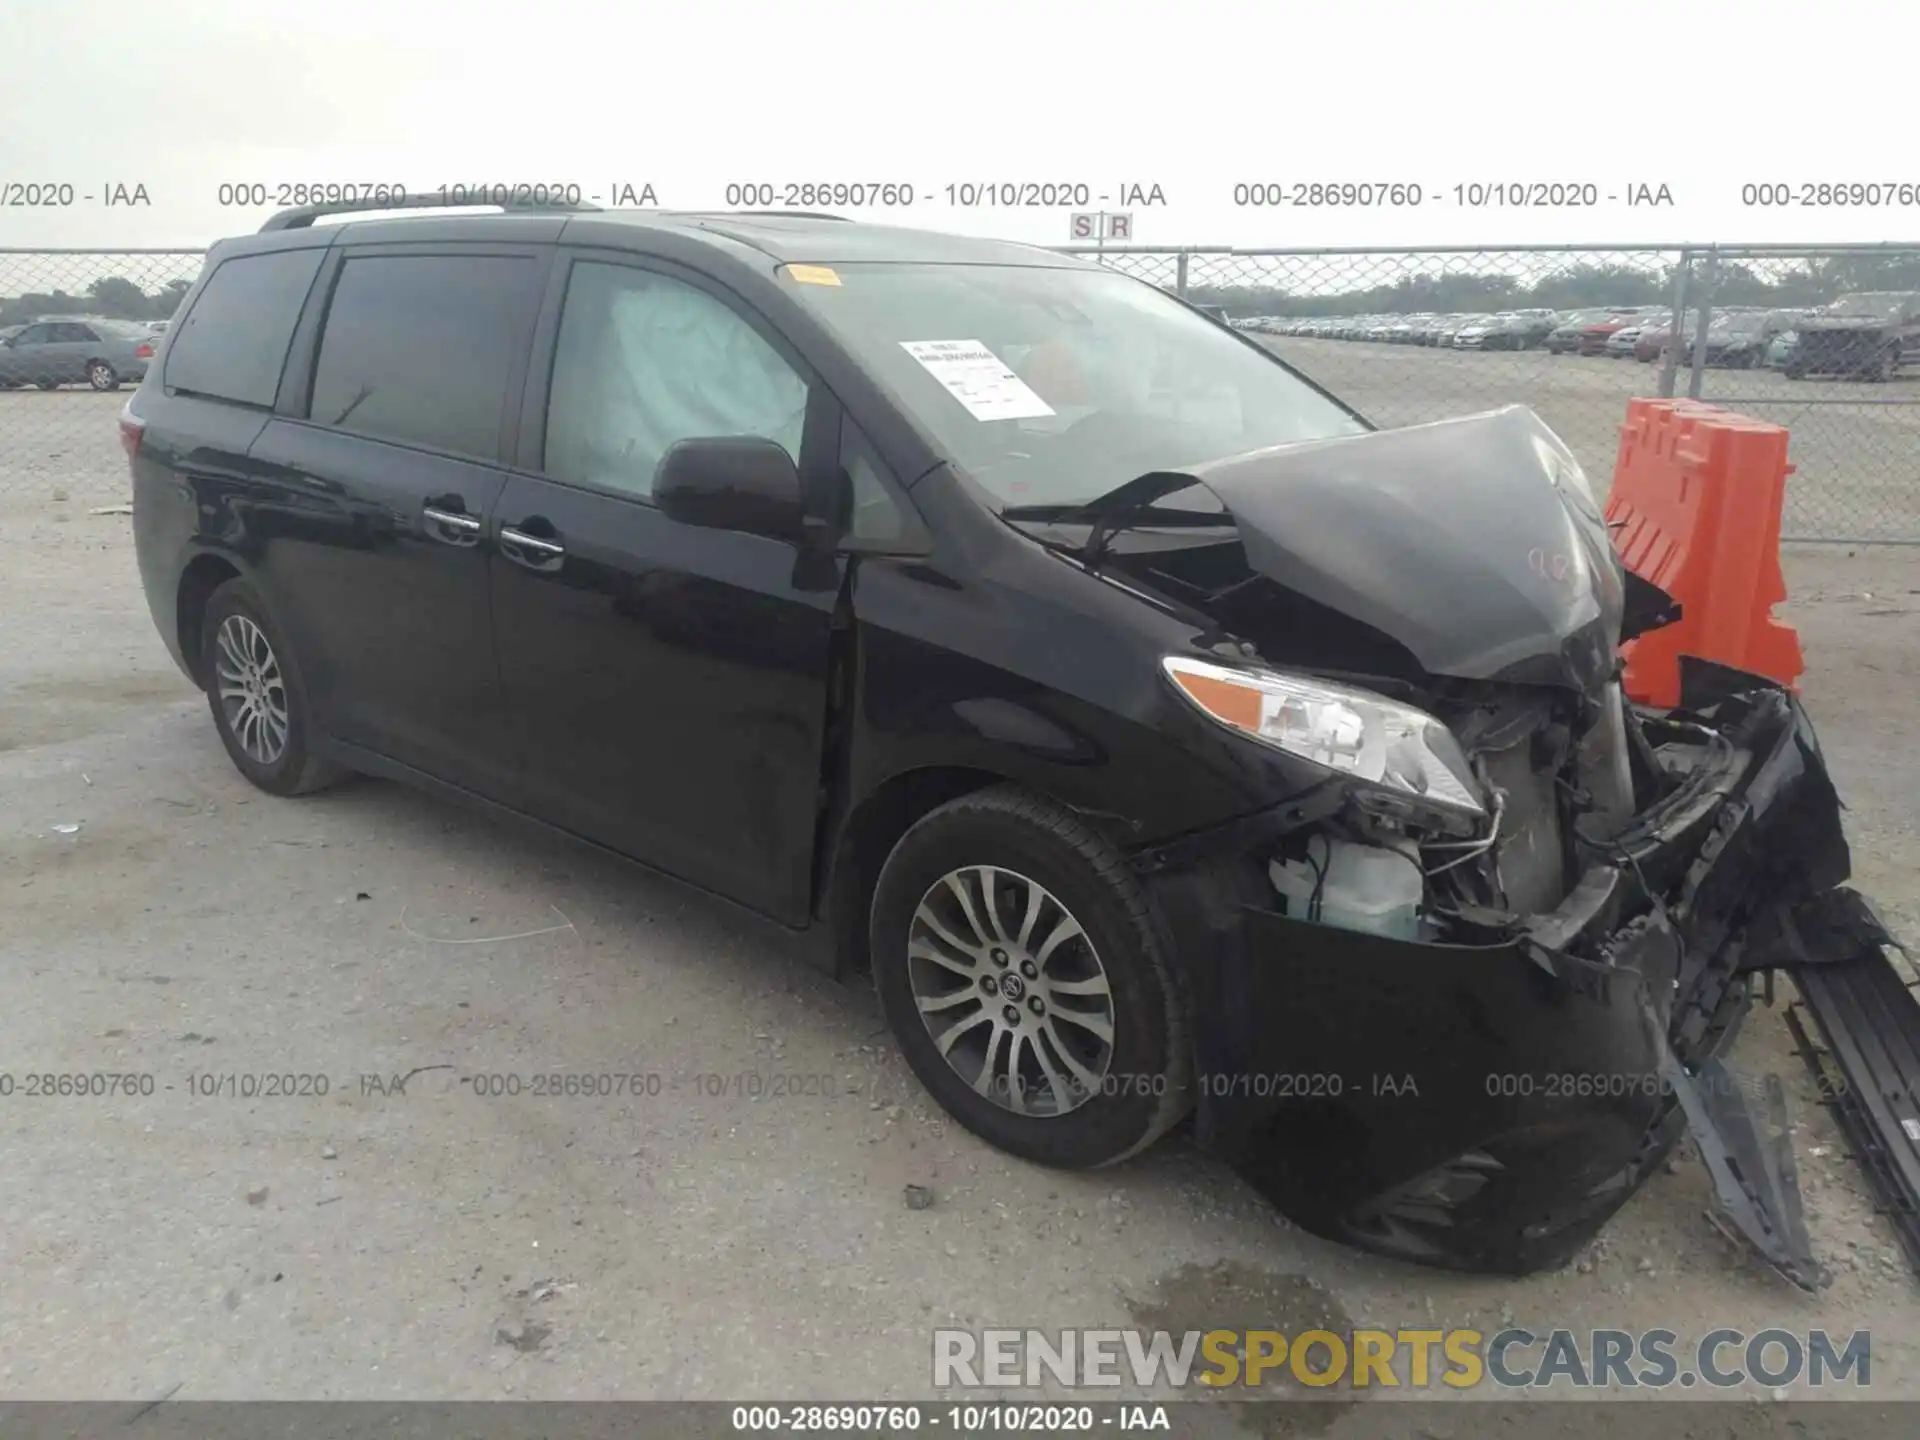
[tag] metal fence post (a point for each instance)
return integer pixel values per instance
(1180, 275)
(1697, 372)
(1670, 356)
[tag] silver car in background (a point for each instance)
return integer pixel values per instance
(77, 350)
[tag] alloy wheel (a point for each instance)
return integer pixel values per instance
(252, 690)
(1011, 990)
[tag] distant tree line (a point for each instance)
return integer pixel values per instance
(1579, 287)
(112, 296)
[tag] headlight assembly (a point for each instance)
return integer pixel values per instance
(1352, 732)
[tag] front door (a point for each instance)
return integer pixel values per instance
(668, 683)
(33, 358)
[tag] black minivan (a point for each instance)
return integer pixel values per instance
(1163, 738)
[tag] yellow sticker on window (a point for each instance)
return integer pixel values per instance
(812, 275)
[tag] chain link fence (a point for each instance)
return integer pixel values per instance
(1404, 336)
(1576, 331)
(76, 332)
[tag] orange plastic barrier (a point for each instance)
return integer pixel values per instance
(1695, 508)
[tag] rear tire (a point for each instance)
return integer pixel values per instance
(1027, 981)
(101, 377)
(258, 699)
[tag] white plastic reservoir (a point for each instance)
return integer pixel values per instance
(1367, 887)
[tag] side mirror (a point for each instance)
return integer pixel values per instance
(738, 482)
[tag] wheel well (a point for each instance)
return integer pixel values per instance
(205, 575)
(868, 837)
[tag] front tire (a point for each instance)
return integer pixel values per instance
(1028, 983)
(258, 700)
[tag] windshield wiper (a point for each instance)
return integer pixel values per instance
(1119, 508)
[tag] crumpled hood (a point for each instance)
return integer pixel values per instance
(1471, 542)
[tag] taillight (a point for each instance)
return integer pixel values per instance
(144, 351)
(132, 427)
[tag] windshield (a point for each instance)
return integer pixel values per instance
(1054, 386)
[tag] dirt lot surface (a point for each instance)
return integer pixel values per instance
(387, 1239)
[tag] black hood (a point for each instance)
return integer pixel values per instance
(1474, 543)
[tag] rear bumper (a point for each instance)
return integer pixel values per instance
(1490, 1106)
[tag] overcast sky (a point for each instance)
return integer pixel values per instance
(1193, 97)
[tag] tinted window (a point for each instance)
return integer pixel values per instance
(233, 343)
(34, 335)
(418, 348)
(645, 360)
(71, 332)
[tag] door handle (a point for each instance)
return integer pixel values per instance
(452, 527)
(530, 550)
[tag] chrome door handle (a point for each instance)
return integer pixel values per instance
(450, 527)
(530, 550)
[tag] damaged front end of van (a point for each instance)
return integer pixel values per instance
(1459, 1000)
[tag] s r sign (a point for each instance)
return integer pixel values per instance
(1103, 225)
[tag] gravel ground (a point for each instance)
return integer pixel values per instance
(393, 1240)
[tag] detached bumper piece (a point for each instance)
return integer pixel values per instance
(1857, 1026)
(1490, 1101)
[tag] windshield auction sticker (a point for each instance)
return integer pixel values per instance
(978, 379)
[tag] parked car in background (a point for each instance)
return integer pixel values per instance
(1656, 333)
(1535, 325)
(1594, 335)
(1564, 338)
(1448, 330)
(1494, 332)
(1785, 346)
(1622, 342)
(1741, 339)
(1867, 336)
(73, 351)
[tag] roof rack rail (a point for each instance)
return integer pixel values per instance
(778, 214)
(300, 217)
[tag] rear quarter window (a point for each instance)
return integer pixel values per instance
(233, 343)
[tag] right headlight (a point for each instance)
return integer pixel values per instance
(1353, 732)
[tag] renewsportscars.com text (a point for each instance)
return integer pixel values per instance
(1389, 1359)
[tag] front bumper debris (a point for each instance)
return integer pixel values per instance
(1490, 1104)
(1858, 1028)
